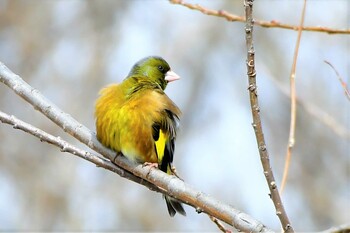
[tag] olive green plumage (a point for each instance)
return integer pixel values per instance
(139, 120)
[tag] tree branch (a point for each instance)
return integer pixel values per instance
(66, 147)
(253, 94)
(170, 185)
(268, 24)
(293, 103)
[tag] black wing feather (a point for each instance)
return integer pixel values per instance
(170, 126)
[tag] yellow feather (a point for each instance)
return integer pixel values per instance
(160, 146)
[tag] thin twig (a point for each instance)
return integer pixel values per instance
(170, 185)
(343, 84)
(293, 105)
(66, 147)
(219, 225)
(268, 24)
(253, 95)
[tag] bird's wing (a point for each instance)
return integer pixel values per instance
(164, 132)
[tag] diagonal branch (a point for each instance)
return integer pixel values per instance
(253, 94)
(170, 185)
(268, 24)
(66, 147)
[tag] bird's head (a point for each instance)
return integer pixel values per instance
(156, 69)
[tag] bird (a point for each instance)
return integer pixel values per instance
(137, 119)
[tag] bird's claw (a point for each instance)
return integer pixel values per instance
(149, 164)
(115, 157)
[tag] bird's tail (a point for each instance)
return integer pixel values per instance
(174, 206)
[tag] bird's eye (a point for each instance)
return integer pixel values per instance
(161, 68)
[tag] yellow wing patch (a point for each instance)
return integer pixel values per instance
(160, 145)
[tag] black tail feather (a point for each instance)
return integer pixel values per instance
(174, 206)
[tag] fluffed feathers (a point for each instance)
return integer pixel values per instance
(139, 120)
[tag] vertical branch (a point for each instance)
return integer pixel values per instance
(293, 105)
(264, 157)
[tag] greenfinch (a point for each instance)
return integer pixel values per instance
(136, 118)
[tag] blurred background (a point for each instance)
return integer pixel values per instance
(69, 50)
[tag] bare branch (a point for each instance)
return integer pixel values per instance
(170, 185)
(268, 24)
(253, 94)
(66, 147)
(343, 84)
(293, 104)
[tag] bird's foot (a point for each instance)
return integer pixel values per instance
(115, 157)
(154, 165)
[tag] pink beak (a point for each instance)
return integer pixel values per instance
(171, 76)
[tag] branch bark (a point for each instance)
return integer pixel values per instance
(254, 103)
(170, 185)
